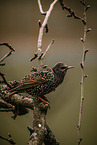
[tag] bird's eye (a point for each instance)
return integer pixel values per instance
(63, 67)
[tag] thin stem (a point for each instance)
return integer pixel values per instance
(10, 140)
(4, 80)
(8, 54)
(47, 49)
(39, 43)
(40, 7)
(82, 81)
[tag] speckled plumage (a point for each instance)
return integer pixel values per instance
(42, 82)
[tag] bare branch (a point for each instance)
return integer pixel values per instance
(6, 110)
(5, 105)
(71, 12)
(39, 44)
(47, 49)
(40, 7)
(10, 140)
(82, 2)
(4, 80)
(34, 57)
(40, 132)
(50, 137)
(43, 25)
(8, 45)
(8, 54)
(5, 56)
(82, 64)
(17, 99)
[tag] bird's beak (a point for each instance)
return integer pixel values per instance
(69, 67)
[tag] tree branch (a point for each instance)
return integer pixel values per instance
(5, 105)
(40, 132)
(82, 64)
(4, 80)
(39, 45)
(71, 12)
(41, 30)
(50, 138)
(47, 49)
(8, 54)
(17, 99)
(40, 7)
(10, 140)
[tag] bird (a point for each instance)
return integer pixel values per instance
(42, 82)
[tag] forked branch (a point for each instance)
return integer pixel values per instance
(10, 140)
(8, 54)
(42, 26)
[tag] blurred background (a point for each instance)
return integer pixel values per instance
(19, 27)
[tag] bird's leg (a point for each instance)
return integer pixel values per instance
(42, 100)
(45, 98)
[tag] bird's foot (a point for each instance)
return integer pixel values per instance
(44, 105)
(43, 101)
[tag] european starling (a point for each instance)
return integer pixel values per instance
(42, 82)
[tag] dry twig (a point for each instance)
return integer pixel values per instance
(82, 64)
(43, 25)
(10, 140)
(8, 54)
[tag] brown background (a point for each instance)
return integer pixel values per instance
(19, 27)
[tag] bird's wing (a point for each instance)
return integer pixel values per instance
(33, 80)
(29, 84)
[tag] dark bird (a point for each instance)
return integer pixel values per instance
(42, 82)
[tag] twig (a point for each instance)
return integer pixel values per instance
(40, 7)
(72, 12)
(43, 25)
(34, 57)
(39, 54)
(8, 45)
(5, 56)
(6, 110)
(8, 54)
(4, 80)
(82, 64)
(6, 105)
(47, 49)
(10, 140)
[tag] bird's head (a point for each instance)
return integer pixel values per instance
(60, 69)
